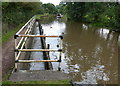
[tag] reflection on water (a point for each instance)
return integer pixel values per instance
(90, 55)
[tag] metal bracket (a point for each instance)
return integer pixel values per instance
(60, 50)
(16, 50)
(15, 36)
(59, 60)
(61, 37)
(16, 61)
(15, 70)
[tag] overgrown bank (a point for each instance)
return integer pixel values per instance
(15, 14)
(7, 36)
(98, 14)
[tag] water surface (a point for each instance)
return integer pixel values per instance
(36, 44)
(90, 54)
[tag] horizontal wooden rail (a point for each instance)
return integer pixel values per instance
(57, 50)
(36, 36)
(27, 61)
(18, 55)
(24, 33)
(27, 31)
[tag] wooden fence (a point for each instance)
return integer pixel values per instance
(20, 40)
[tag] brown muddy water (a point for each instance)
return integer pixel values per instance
(90, 54)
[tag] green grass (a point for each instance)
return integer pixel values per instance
(0, 38)
(7, 36)
(38, 82)
(40, 15)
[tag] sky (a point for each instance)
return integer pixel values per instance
(55, 2)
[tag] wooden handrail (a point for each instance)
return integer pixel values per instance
(25, 33)
(28, 50)
(20, 35)
(27, 61)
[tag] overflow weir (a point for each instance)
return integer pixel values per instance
(32, 60)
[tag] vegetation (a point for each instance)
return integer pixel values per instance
(10, 33)
(37, 82)
(15, 13)
(41, 15)
(96, 13)
(49, 8)
(101, 14)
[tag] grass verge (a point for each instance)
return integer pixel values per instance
(41, 15)
(38, 82)
(10, 33)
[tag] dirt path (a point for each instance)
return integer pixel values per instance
(0, 63)
(7, 56)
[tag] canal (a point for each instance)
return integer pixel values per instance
(90, 55)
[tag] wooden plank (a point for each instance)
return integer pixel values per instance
(36, 36)
(26, 32)
(19, 43)
(15, 54)
(28, 50)
(17, 57)
(27, 61)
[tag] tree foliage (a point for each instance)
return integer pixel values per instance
(105, 14)
(15, 13)
(50, 8)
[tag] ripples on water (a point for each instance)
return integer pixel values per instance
(93, 75)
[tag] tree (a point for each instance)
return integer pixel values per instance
(101, 14)
(50, 8)
(15, 13)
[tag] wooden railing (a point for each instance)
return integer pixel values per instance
(20, 40)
